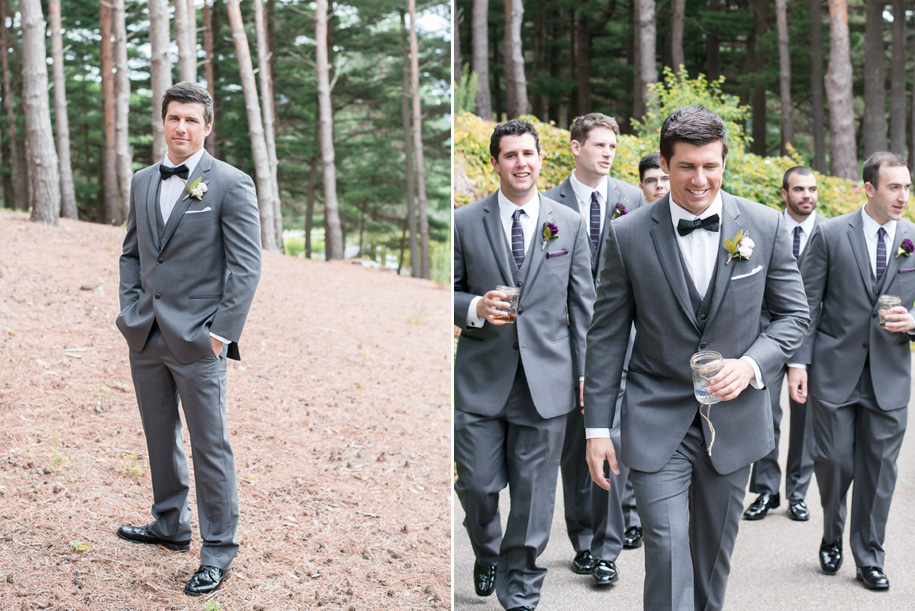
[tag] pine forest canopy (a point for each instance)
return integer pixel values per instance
(367, 45)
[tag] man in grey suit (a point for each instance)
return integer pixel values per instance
(189, 269)
(799, 192)
(687, 273)
(515, 383)
(595, 519)
(857, 370)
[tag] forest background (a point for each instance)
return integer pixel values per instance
(385, 209)
(823, 84)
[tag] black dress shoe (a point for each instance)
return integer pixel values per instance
(830, 556)
(583, 562)
(141, 534)
(761, 506)
(632, 538)
(873, 577)
(207, 579)
(521, 609)
(605, 573)
(797, 510)
(484, 578)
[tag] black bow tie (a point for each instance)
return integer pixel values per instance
(687, 227)
(168, 172)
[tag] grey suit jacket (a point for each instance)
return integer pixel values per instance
(643, 281)
(201, 277)
(845, 332)
(553, 314)
(618, 192)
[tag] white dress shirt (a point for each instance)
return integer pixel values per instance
(871, 228)
(173, 187)
(528, 219)
(806, 228)
(583, 195)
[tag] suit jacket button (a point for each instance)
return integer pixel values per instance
(703, 316)
(514, 346)
(864, 345)
(157, 295)
(160, 260)
(703, 345)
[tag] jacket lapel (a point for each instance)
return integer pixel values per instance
(892, 264)
(536, 251)
(493, 227)
(201, 171)
(730, 225)
(151, 203)
(859, 252)
(665, 244)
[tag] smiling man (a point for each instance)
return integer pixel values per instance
(857, 370)
(515, 383)
(668, 270)
(189, 269)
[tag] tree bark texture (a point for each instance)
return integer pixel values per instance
(897, 81)
(333, 231)
(20, 197)
(111, 197)
(816, 86)
(267, 109)
(44, 176)
(480, 57)
(160, 69)
(186, 37)
(784, 74)
(583, 58)
(406, 120)
(874, 128)
(212, 143)
(713, 48)
(843, 157)
(122, 89)
(758, 104)
(646, 67)
(513, 58)
(539, 107)
(677, 19)
(425, 267)
(255, 130)
(67, 191)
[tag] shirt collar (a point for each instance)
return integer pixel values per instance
(191, 162)
(677, 213)
(507, 208)
(871, 226)
(806, 225)
(583, 191)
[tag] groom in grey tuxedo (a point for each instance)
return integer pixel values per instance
(668, 269)
(515, 383)
(189, 269)
(857, 370)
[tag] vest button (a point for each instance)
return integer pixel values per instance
(703, 316)
(157, 295)
(160, 260)
(703, 345)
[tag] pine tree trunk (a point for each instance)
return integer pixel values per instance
(713, 48)
(874, 128)
(20, 196)
(425, 267)
(160, 70)
(784, 74)
(539, 106)
(333, 232)
(455, 46)
(676, 34)
(406, 120)
(843, 157)
(816, 87)
(44, 176)
(513, 60)
(67, 191)
(122, 88)
(111, 197)
(212, 142)
(186, 37)
(480, 57)
(267, 109)
(312, 189)
(897, 81)
(583, 59)
(758, 105)
(646, 68)
(255, 130)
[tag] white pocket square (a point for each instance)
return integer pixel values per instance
(756, 270)
(207, 209)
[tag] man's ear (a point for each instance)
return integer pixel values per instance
(575, 145)
(869, 190)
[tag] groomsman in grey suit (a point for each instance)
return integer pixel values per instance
(799, 192)
(595, 519)
(858, 371)
(515, 383)
(189, 268)
(692, 271)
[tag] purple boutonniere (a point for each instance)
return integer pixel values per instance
(550, 231)
(619, 210)
(906, 248)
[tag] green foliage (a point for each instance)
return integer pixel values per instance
(212, 605)
(466, 91)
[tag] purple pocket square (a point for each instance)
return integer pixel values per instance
(557, 253)
(905, 270)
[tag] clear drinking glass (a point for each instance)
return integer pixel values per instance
(884, 303)
(514, 294)
(704, 365)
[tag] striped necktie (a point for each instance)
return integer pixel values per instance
(517, 238)
(796, 247)
(595, 219)
(881, 253)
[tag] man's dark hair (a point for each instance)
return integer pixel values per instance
(583, 125)
(696, 125)
(650, 161)
(515, 127)
(800, 170)
(189, 93)
(871, 172)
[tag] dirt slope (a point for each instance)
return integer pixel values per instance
(339, 416)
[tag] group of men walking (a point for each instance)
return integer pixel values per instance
(592, 378)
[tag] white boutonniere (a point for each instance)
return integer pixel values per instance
(741, 247)
(196, 189)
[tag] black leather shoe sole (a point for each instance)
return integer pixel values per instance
(138, 536)
(881, 582)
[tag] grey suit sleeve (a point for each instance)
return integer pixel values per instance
(129, 263)
(462, 298)
(814, 270)
(580, 298)
(788, 310)
(241, 233)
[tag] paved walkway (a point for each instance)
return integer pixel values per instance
(774, 566)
